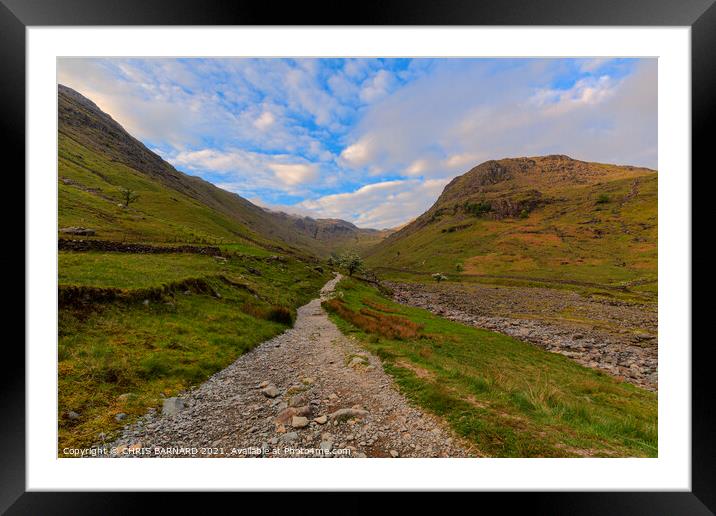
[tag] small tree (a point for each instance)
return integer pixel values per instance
(128, 197)
(351, 262)
(458, 267)
(439, 276)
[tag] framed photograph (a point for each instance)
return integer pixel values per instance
(448, 247)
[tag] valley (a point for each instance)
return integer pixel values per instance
(516, 317)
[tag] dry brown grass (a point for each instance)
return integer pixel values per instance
(275, 313)
(378, 306)
(370, 321)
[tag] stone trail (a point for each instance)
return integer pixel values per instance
(309, 392)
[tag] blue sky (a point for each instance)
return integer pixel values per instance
(372, 141)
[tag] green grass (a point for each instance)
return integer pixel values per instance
(509, 398)
(123, 270)
(109, 349)
(573, 239)
(159, 215)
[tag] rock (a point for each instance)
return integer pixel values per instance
(298, 400)
(321, 420)
(289, 413)
(145, 302)
(299, 422)
(76, 230)
(120, 417)
(356, 361)
(308, 380)
(72, 415)
(347, 413)
(295, 389)
(127, 396)
(289, 437)
(333, 396)
(263, 384)
(270, 391)
(172, 406)
(326, 446)
(394, 453)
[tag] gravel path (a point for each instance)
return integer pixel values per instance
(309, 392)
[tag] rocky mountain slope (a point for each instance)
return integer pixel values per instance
(335, 235)
(549, 218)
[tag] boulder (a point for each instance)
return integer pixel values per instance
(172, 406)
(348, 413)
(299, 422)
(270, 391)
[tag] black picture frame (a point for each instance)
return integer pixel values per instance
(700, 15)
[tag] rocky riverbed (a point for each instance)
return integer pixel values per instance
(612, 336)
(310, 392)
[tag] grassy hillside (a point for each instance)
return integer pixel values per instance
(509, 398)
(549, 219)
(175, 320)
(98, 158)
(89, 195)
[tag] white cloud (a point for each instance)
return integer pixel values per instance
(585, 92)
(294, 174)
(246, 172)
(458, 115)
(359, 153)
(377, 87)
(462, 160)
(264, 121)
(380, 205)
(417, 167)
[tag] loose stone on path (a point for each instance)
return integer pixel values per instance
(286, 392)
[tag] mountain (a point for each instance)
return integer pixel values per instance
(334, 235)
(99, 159)
(550, 218)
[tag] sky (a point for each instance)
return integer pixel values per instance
(371, 141)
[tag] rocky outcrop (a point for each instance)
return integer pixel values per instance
(76, 230)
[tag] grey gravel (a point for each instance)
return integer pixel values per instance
(232, 415)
